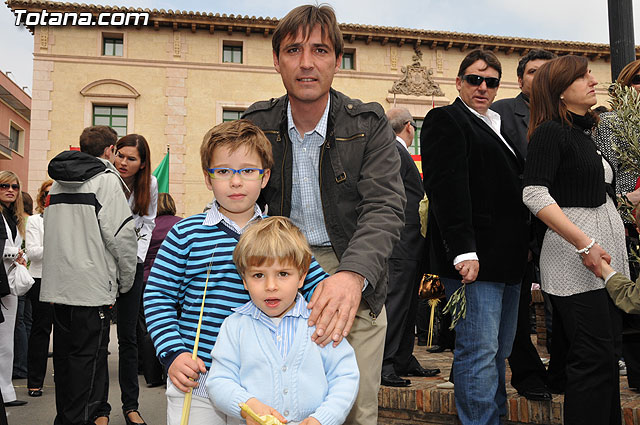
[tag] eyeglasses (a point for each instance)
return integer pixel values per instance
(227, 173)
(635, 80)
(6, 186)
(415, 127)
(476, 80)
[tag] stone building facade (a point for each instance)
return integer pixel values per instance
(174, 78)
(15, 117)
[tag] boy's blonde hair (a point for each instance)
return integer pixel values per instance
(271, 239)
(233, 135)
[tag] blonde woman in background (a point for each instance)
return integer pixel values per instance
(11, 235)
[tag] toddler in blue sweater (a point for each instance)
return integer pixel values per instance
(264, 355)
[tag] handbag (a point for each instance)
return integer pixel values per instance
(20, 281)
(433, 290)
(430, 287)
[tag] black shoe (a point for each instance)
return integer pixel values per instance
(539, 394)
(435, 349)
(393, 380)
(15, 403)
(35, 393)
(420, 371)
(129, 421)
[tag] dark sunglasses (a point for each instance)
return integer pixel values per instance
(635, 80)
(415, 127)
(476, 80)
(6, 186)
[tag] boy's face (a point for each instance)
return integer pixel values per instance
(236, 196)
(273, 288)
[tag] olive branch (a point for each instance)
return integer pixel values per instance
(457, 306)
(625, 101)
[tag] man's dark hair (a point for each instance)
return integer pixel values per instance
(94, 140)
(305, 18)
(478, 54)
(531, 56)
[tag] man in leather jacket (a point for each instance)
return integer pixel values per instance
(336, 175)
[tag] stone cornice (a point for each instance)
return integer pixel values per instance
(203, 21)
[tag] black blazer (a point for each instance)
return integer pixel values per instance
(474, 185)
(411, 244)
(514, 114)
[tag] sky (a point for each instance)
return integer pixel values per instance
(574, 20)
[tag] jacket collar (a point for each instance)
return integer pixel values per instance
(521, 108)
(484, 126)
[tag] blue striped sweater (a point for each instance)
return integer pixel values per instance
(173, 295)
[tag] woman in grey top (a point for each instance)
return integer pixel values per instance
(568, 187)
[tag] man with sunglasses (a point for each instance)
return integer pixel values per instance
(528, 374)
(477, 233)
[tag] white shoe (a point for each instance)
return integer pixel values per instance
(622, 366)
(445, 385)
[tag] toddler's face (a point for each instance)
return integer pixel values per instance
(273, 288)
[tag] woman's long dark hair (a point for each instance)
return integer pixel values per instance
(549, 82)
(142, 180)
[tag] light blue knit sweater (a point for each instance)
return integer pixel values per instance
(311, 381)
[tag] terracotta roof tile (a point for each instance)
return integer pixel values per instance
(352, 31)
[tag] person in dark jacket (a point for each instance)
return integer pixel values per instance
(477, 232)
(336, 175)
(528, 374)
(405, 266)
(165, 219)
(568, 185)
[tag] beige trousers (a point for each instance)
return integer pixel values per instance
(367, 339)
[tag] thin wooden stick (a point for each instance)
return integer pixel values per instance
(186, 406)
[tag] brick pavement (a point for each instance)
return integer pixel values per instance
(423, 403)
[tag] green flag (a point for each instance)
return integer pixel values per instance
(162, 174)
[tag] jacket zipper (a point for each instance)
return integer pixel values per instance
(346, 139)
(284, 159)
(373, 318)
(324, 146)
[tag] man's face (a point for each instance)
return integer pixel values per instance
(412, 134)
(307, 66)
(479, 97)
(529, 71)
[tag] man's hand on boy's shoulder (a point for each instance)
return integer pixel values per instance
(335, 302)
(310, 421)
(184, 371)
(260, 409)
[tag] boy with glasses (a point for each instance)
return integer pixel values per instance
(236, 159)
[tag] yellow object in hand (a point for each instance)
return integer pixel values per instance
(262, 420)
